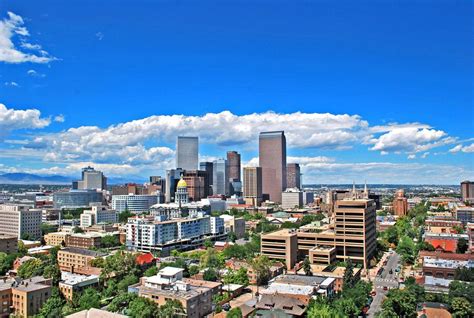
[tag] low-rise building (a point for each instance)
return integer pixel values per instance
(23, 297)
(442, 268)
(71, 259)
(73, 283)
(332, 271)
(448, 242)
(168, 284)
(292, 198)
(84, 240)
(276, 268)
(8, 243)
(301, 287)
(280, 245)
(56, 238)
(98, 215)
(233, 224)
(465, 214)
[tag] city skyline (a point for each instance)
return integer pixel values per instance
(350, 107)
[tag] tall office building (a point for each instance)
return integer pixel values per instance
(172, 178)
(233, 160)
(91, 180)
(20, 221)
(293, 176)
(187, 153)
(467, 190)
(197, 184)
(207, 166)
(253, 185)
(220, 184)
(272, 157)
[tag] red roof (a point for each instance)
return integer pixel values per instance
(145, 259)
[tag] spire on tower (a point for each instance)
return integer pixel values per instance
(354, 194)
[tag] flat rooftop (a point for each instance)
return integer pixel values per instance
(82, 251)
(75, 279)
(170, 271)
(445, 263)
(281, 233)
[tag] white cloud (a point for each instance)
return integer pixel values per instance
(425, 155)
(11, 119)
(12, 84)
(412, 156)
(34, 73)
(11, 27)
(458, 148)
(410, 139)
(59, 118)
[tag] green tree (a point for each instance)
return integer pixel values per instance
(52, 308)
(461, 289)
(77, 229)
(261, 267)
(347, 306)
(234, 313)
(407, 249)
(152, 271)
(109, 241)
(52, 271)
(210, 259)
(307, 267)
(237, 277)
(208, 244)
(30, 268)
(399, 302)
(90, 298)
(6, 262)
(127, 281)
(123, 216)
(462, 246)
(22, 248)
(121, 302)
(121, 264)
(193, 270)
(175, 253)
(141, 307)
(47, 228)
(210, 275)
(426, 246)
(172, 309)
(461, 307)
(231, 237)
(464, 274)
(348, 278)
(321, 309)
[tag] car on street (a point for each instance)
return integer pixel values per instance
(390, 272)
(385, 288)
(373, 293)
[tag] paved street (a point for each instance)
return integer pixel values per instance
(385, 279)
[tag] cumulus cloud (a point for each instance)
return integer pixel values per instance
(12, 119)
(458, 148)
(410, 139)
(14, 26)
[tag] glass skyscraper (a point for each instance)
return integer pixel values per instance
(187, 153)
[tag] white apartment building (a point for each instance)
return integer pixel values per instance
(135, 203)
(18, 220)
(150, 234)
(98, 214)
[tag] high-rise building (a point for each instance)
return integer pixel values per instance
(293, 176)
(233, 160)
(172, 178)
(272, 157)
(400, 203)
(76, 198)
(467, 190)
(253, 185)
(98, 214)
(187, 153)
(208, 167)
(20, 221)
(197, 184)
(220, 184)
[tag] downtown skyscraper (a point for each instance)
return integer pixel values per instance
(187, 153)
(272, 160)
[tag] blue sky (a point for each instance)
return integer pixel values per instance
(376, 90)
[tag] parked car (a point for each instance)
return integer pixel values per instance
(384, 288)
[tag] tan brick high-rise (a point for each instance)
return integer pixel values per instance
(272, 158)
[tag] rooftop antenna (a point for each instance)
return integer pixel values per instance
(353, 189)
(366, 192)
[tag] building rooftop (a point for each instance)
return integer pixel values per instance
(201, 283)
(82, 251)
(282, 233)
(192, 292)
(95, 313)
(446, 263)
(170, 271)
(68, 278)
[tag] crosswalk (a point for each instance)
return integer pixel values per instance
(385, 280)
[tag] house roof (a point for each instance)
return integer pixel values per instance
(145, 259)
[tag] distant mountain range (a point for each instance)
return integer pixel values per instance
(28, 178)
